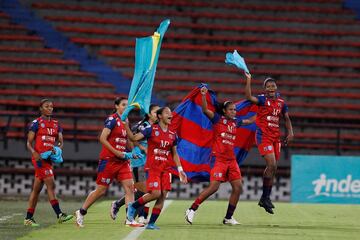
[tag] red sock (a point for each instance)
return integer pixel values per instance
(30, 213)
(196, 204)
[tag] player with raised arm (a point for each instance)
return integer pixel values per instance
(162, 144)
(46, 131)
(225, 166)
(270, 107)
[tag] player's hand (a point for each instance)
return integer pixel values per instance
(36, 156)
(183, 177)
(289, 139)
(203, 90)
(248, 76)
(119, 154)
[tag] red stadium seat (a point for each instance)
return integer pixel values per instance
(46, 72)
(62, 83)
(21, 60)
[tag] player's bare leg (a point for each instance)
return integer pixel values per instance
(207, 192)
(159, 204)
(148, 197)
(33, 199)
(268, 178)
(91, 198)
(50, 187)
(236, 186)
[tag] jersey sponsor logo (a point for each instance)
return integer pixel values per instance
(231, 128)
(48, 172)
(153, 184)
(164, 143)
(272, 118)
(161, 152)
(331, 187)
(50, 131)
(276, 111)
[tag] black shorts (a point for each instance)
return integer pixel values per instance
(139, 174)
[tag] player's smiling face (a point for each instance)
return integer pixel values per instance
(122, 105)
(166, 116)
(230, 111)
(47, 108)
(270, 89)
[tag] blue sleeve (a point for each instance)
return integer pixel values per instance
(284, 109)
(60, 129)
(176, 141)
(110, 123)
(147, 132)
(261, 99)
(216, 118)
(34, 126)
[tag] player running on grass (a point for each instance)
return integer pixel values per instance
(46, 131)
(161, 149)
(138, 169)
(113, 163)
(225, 166)
(267, 136)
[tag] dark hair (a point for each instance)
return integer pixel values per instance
(220, 107)
(268, 79)
(151, 107)
(44, 101)
(117, 101)
(160, 111)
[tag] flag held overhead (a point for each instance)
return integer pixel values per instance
(147, 52)
(236, 60)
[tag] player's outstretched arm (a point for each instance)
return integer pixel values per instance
(182, 174)
(248, 90)
(204, 107)
(289, 128)
(248, 121)
(132, 137)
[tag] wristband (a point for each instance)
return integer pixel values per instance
(180, 169)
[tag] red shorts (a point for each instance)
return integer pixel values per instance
(45, 171)
(158, 181)
(225, 170)
(268, 145)
(108, 170)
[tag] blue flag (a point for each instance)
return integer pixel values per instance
(236, 60)
(147, 52)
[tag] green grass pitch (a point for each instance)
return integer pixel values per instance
(290, 221)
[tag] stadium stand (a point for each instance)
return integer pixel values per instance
(312, 50)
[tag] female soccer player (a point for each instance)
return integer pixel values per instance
(161, 143)
(137, 165)
(267, 136)
(225, 166)
(46, 131)
(113, 163)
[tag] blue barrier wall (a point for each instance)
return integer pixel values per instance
(325, 179)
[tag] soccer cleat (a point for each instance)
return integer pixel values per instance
(142, 220)
(63, 217)
(271, 204)
(130, 212)
(152, 226)
(189, 215)
(266, 204)
(113, 210)
(133, 223)
(31, 222)
(79, 219)
(230, 221)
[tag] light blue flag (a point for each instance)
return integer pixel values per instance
(147, 52)
(55, 155)
(236, 60)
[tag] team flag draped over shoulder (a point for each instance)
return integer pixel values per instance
(147, 52)
(195, 133)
